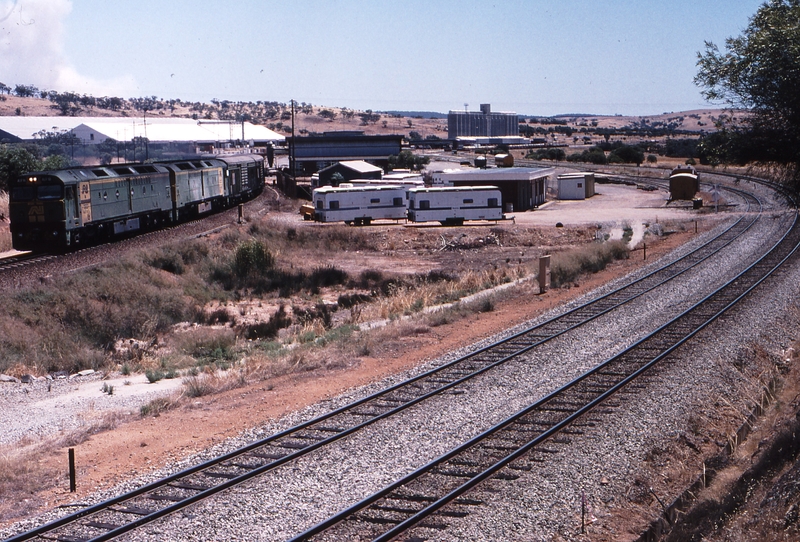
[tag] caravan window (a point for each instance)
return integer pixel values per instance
(492, 202)
(468, 200)
(397, 202)
(425, 204)
(334, 205)
(375, 200)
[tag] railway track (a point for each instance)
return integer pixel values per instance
(126, 512)
(419, 505)
(23, 260)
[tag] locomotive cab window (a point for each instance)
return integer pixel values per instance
(22, 193)
(49, 192)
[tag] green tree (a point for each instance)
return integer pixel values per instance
(759, 71)
(14, 161)
(628, 154)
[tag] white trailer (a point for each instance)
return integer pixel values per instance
(452, 205)
(359, 204)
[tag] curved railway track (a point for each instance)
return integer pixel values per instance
(415, 506)
(139, 507)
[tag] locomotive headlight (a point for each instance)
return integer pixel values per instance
(31, 179)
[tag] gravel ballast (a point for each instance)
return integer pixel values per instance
(543, 500)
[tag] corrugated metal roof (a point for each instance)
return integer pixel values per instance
(360, 166)
(126, 128)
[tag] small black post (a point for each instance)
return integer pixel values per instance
(583, 512)
(72, 487)
(644, 250)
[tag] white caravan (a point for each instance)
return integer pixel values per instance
(359, 204)
(452, 205)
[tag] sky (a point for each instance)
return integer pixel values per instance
(534, 57)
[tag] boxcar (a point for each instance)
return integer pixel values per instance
(359, 204)
(454, 205)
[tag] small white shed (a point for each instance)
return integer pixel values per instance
(575, 186)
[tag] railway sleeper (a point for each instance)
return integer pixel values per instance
(130, 509)
(453, 513)
(190, 486)
(70, 538)
(378, 520)
(268, 455)
(102, 525)
(413, 497)
(226, 475)
(163, 497)
(326, 429)
(506, 476)
(293, 445)
(463, 501)
(315, 438)
(396, 509)
(455, 473)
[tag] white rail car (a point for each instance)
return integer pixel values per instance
(452, 205)
(359, 205)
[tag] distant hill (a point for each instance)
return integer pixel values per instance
(416, 114)
(318, 119)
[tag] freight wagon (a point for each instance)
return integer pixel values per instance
(454, 205)
(359, 205)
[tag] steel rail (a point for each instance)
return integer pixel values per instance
(403, 505)
(299, 440)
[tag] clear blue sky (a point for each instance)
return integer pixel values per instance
(535, 57)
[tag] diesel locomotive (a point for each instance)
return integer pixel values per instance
(79, 206)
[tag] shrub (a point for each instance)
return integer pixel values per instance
(154, 375)
(269, 329)
(567, 266)
(252, 259)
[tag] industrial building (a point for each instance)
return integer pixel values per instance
(573, 186)
(522, 188)
(169, 136)
(483, 123)
(313, 153)
(203, 135)
(349, 170)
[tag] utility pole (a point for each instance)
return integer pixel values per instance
(294, 147)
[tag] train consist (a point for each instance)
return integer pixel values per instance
(74, 207)
(360, 205)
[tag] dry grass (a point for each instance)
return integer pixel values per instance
(25, 472)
